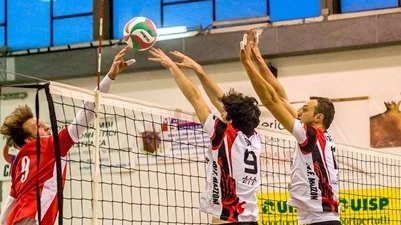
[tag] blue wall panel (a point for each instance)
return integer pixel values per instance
(124, 10)
(64, 7)
(73, 30)
(2, 21)
(2, 11)
(240, 9)
(30, 24)
(189, 14)
(31, 20)
(2, 41)
(364, 5)
(293, 9)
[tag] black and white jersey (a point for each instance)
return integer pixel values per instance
(314, 172)
(233, 173)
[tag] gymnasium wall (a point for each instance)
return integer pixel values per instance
(373, 73)
(369, 73)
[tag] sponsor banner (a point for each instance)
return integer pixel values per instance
(174, 139)
(115, 147)
(7, 156)
(371, 206)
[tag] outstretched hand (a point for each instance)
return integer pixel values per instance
(186, 62)
(250, 48)
(160, 56)
(246, 47)
(254, 36)
(119, 64)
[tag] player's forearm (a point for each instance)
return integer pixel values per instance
(212, 90)
(260, 62)
(269, 77)
(269, 97)
(87, 114)
(262, 88)
(272, 80)
(186, 86)
(106, 83)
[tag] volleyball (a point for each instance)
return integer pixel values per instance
(140, 33)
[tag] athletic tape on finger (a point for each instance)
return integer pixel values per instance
(130, 62)
(243, 42)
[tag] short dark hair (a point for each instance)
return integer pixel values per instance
(326, 107)
(12, 128)
(242, 110)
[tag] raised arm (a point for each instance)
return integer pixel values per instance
(86, 114)
(264, 70)
(187, 87)
(267, 94)
(212, 90)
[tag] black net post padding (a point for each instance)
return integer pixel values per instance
(38, 202)
(38, 87)
(53, 122)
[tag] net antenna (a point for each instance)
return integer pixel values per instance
(99, 55)
(96, 171)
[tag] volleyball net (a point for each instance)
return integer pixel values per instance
(141, 163)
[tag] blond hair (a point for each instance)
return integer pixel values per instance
(12, 127)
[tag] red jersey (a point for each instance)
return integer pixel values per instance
(25, 174)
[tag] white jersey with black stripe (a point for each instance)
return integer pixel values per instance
(314, 174)
(233, 173)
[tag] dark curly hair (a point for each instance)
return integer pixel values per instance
(242, 110)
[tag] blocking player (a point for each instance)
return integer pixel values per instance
(314, 181)
(233, 169)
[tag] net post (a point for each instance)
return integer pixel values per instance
(96, 161)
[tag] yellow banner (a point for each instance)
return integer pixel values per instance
(357, 207)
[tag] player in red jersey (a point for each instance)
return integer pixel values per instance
(233, 170)
(314, 171)
(22, 130)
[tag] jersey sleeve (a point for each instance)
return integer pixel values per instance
(215, 128)
(209, 124)
(305, 136)
(66, 142)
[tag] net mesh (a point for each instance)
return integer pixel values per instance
(151, 168)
